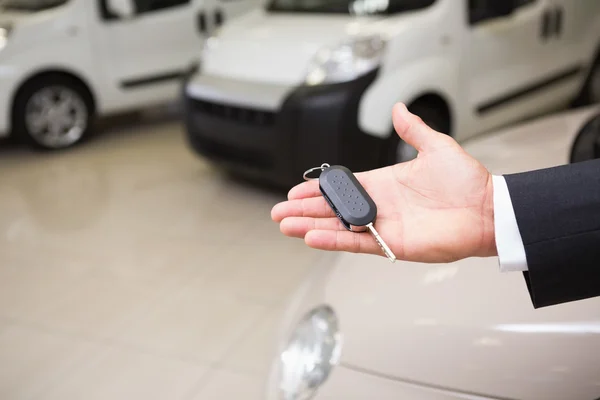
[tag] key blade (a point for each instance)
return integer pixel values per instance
(386, 249)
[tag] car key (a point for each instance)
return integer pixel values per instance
(350, 202)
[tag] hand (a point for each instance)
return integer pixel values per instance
(436, 208)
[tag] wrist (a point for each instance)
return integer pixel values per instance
(489, 233)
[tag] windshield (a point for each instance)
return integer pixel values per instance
(30, 5)
(357, 7)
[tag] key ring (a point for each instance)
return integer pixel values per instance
(322, 168)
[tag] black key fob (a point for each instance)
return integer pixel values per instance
(348, 198)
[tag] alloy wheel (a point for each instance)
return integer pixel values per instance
(56, 117)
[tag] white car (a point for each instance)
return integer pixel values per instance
(64, 61)
(363, 328)
(303, 82)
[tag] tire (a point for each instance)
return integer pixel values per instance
(396, 151)
(53, 112)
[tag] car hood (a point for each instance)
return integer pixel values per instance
(465, 326)
(276, 48)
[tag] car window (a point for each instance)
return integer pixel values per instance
(30, 5)
(521, 3)
(142, 6)
(480, 10)
(357, 7)
(145, 6)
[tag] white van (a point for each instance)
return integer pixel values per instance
(303, 82)
(64, 61)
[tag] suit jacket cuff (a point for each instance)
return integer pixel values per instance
(511, 251)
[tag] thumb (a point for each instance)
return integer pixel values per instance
(414, 131)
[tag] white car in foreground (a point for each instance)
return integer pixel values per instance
(362, 328)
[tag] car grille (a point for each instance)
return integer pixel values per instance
(234, 113)
(225, 152)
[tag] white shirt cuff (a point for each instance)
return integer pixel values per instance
(511, 251)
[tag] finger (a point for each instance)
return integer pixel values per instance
(298, 227)
(342, 241)
(304, 190)
(414, 131)
(315, 207)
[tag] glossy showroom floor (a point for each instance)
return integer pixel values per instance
(129, 269)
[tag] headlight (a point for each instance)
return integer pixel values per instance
(347, 61)
(5, 31)
(312, 352)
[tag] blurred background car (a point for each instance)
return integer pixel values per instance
(360, 327)
(65, 61)
(319, 78)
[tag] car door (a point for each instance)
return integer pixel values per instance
(574, 26)
(154, 47)
(511, 70)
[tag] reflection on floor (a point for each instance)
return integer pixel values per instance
(129, 269)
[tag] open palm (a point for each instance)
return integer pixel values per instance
(436, 208)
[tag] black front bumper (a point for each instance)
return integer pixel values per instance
(315, 125)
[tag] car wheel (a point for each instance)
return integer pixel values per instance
(396, 150)
(53, 113)
(587, 143)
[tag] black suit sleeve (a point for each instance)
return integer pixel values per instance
(558, 213)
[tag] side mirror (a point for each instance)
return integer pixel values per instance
(122, 8)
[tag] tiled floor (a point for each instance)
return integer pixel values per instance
(130, 269)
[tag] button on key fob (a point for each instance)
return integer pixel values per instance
(351, 203)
